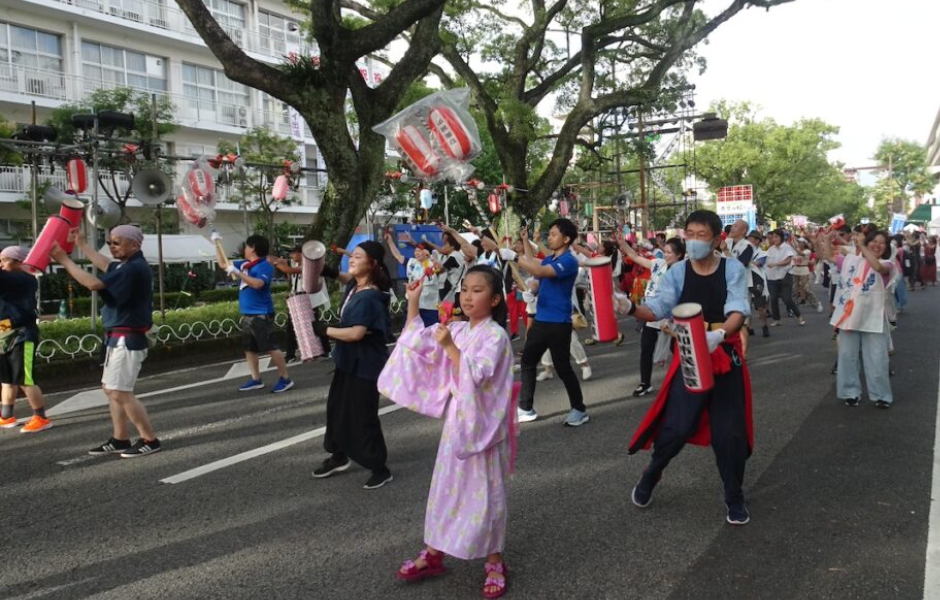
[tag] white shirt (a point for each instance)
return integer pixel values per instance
(776, 254)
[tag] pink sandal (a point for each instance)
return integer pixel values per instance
(434, 566)
(500, 584)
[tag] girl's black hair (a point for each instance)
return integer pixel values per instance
(887, 236)
(494, 279)
(678, 246)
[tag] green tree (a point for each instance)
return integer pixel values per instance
(119, 161)
(318, 88)
(905, 175)
(787, 165)
(8, 154)
(266, 155)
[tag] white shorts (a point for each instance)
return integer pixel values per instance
(121, 367)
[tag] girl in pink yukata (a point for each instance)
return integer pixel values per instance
(463, 372)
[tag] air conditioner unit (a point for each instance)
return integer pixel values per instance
(243, 122)
(115, 10)
(242, 111)
(292, 27)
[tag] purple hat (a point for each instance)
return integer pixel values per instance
(17, 253)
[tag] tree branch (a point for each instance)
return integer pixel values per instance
(352, 44)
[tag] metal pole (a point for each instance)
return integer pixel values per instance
(644, 211)
(34, 185)
(158, 213)
(446, 208)
(94, 228)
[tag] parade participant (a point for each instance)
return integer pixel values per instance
(515, 286)
(551, 329)
(928, 272)
(456, 253)
(861, 319)
(421, 268)
(779, 263)
(19, 336)
(757, 284)
(722, 416)
(673, 251)
(353, 429)
(256, 307)
(463, 373)
(802, 280)
(294, 270)
(126, 288)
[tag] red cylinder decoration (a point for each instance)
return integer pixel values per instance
(72, 210)
(281, 187)
(695, 359)
(201, 184)
(602, 297)
(563, 208)
(414, 148)
(450, 132)
(55, 230)
(77, 175)
(494, 203)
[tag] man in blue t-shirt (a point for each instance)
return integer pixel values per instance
(256, 307)
(126, 289)
(552, 327)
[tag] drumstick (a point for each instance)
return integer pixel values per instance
(223, 260)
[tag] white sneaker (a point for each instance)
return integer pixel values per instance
(819, 307)
(525, 416)
(586, 372)
(516, 368)
(545, 374)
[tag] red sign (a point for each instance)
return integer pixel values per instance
(736, 193)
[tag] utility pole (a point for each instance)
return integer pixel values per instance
(644, 212)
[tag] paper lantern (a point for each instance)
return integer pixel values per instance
(281, 187)
(494, 203)
(77, 174)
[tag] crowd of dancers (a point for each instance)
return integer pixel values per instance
(455, 361)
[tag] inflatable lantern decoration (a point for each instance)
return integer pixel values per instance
(281, 187)
(77, 174)
(436, 136)
(196, 202)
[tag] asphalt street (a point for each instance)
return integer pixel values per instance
(839, 496)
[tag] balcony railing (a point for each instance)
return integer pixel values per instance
(169, 17)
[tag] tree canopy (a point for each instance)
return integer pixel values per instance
(786, 164)
(905, 174)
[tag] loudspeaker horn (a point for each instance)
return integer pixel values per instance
(53, 198)
(105, 216)
(151, 187)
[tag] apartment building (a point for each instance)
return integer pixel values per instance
(58, 51)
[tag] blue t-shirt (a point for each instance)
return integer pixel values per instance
(128, 299)
(554, 303)
(250, 300)
(18, 303)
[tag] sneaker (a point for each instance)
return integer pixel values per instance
(8, 423)
(619, 340)
(282, 385)
(36, 424)
(590, 342)
(642, 390)
(642, 493)
(576, 418)
(514, 337)
(293, 361)
(251, 384)
(835, 369)
(766, 331)
(882, 404)
(750, 331)
(851, 401)
(775, 323)
(142, 448)
(802, 321)
(586, 372)
(378, 479)
(329, 467)
(526, 416)
(819, 307)
(517, 368)
(738, 514)
(544, 374)
(112, 446)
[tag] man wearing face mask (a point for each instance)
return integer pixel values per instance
(719, 285)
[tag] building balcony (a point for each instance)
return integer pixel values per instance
(167, 17)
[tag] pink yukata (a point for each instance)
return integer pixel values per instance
(466, 514)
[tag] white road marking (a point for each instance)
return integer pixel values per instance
(932, 566)
(95, 398)
(239, 458)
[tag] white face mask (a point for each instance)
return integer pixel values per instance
(697, 249)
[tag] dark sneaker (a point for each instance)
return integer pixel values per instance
(329, 467)
(378, 479)
(851, 401)
(750, 331)
(642, 390)
(834, 370)
(766, 331)
(642, 493)
(882, 404)
(112, 446)
(738, 514)
(142, 448)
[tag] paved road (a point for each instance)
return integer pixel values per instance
(839, 497)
